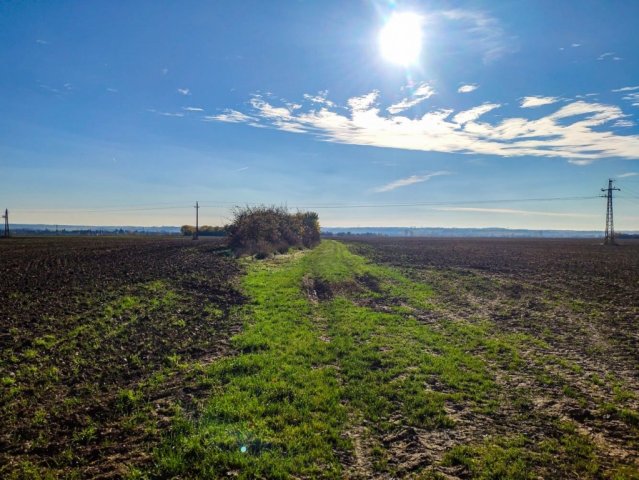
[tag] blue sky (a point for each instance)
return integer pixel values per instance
(128, 112)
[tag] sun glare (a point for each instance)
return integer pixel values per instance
(400, 40)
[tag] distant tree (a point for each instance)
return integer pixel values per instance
(187, 230)
(204, 231)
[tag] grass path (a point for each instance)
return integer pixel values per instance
(343, 371)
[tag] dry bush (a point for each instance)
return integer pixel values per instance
(265, 230)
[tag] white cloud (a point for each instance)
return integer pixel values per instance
(581, 162)
(166, 114)
(422, 92)
(579, 131)
(319, 98)
(468, 88)
(575, 45)
(511, 211)
(230, 116)
(184, 91)
(193, 109)
(634, 98)
(603, 56)
(112, 90)
(474, 113)
(42, 42)
(624, 123)
(404, 182)
(537, 101)
(628, 174)
(626, 89)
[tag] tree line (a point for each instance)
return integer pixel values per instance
(204, 230)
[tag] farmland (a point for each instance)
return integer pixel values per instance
(364, 358)
(94, 338)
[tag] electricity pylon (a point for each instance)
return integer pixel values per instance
(609, 238)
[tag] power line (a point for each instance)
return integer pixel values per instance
(460, 202)
(215, 204)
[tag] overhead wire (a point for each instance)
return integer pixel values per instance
(215, 204)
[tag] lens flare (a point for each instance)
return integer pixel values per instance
(400, 40)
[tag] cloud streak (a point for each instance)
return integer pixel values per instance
(537, 101)
(405, 182)
(421, 93)
(579, 131)
(230, 116)
(626, 89)
(467, 88)
(511, 211)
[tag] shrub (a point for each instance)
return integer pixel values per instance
(263, 230)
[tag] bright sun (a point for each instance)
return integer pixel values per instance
(400, 40)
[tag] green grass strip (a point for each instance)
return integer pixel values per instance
(307, 371)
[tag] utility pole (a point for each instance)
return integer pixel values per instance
(6, 223)
(197, 221)
(609, 238)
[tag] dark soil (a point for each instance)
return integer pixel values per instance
(98, 339)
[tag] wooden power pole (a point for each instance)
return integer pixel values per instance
(6, 223)
(197, 221)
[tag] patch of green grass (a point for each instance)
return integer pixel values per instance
(496, 458)
(127, 400)
(275, 409)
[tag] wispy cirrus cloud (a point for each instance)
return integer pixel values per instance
(537, 101)
(192, 109)
(422, 92)
(624, 123)
(580, 131)
(405, 182)
(471, 87)
(230, 116)
(609, 55)
(184, 91)
(474, 113)
(626, 89)
(633, 98)
(481, 30)
(628, 174)
(511, 211)
(166, 114)
(319, 98)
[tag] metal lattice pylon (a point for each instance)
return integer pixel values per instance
(609, 237)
